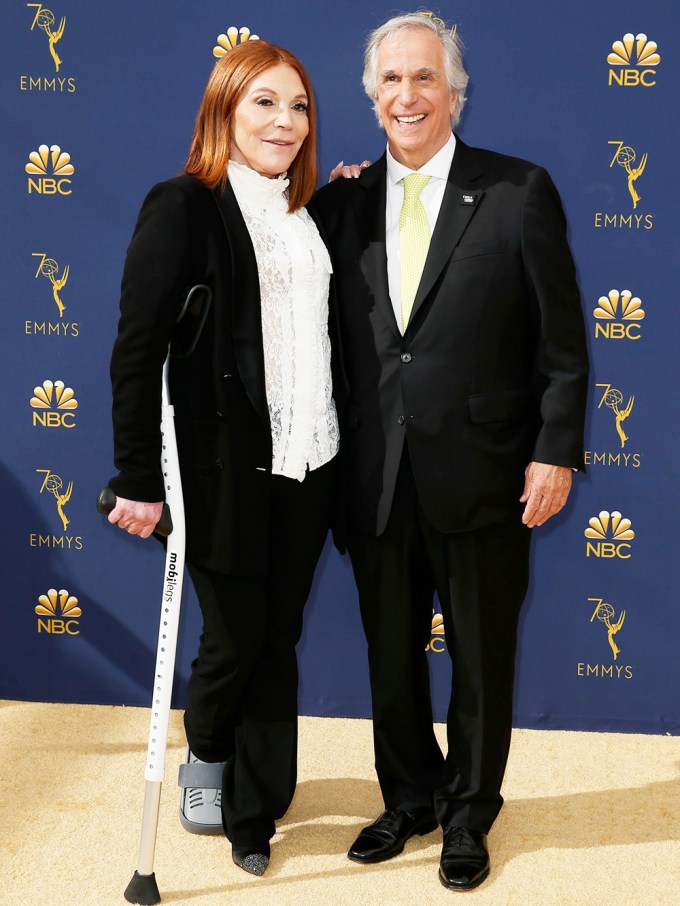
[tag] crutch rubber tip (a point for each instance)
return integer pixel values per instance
(143, 890)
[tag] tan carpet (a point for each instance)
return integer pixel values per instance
(589, 819)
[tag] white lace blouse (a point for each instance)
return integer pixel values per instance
(294, 269)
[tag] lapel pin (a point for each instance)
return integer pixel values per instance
(468, 199)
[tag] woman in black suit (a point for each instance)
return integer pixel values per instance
(256, 425)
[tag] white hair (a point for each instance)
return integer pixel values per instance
(452, 48)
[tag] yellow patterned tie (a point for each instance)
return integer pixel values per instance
(414, 241)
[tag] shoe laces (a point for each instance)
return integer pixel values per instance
(456, 835)
(393, 816)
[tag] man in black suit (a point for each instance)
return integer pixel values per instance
(465, 354)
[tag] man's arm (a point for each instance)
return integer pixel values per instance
(561, 361)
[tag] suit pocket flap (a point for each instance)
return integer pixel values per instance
(498, 407)
(473, 249)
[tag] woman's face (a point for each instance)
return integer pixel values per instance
(270, 121)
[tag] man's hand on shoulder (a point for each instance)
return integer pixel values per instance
(546, 489)
(347, 171)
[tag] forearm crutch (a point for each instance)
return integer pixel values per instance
(143, 888)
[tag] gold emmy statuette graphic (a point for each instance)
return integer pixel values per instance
(605, 614)
(45, 19)
(612, 398)
(53, 484)
(234, 36)
(440, 22)
(49, 268)
(624, 157)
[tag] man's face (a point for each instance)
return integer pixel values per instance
(413, 97)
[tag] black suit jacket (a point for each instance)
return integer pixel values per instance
(491, 372)
(185, 235)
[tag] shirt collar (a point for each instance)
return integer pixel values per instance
(437, 166)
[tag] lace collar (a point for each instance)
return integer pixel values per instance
(256, 191)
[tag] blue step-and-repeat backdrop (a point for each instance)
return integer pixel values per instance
(98, 102)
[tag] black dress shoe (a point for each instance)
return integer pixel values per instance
(465, 859)
(386, 836)
(253, 861)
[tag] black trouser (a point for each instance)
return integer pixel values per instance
(481, 578)
(242, 693)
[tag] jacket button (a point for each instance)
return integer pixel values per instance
(219, 463)
(219, 414)
(401, 420)
(406, 357)
(225, 376)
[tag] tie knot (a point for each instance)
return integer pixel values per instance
(414, 184)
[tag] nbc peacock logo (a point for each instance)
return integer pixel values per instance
(618, 316)
(437, 643)
(632, 60)
(54, 405)
(233, 37)
(48, 171)
(609, 535)
(58, 613)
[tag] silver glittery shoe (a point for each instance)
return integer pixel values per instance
(255, 863)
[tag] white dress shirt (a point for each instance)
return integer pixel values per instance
(432, 195)
(294, 269)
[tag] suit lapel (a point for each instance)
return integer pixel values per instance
(246, 316)
(461, 200)
(371, 219)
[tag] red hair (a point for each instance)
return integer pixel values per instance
(209, 153)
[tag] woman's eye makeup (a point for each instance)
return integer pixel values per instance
(298, 106)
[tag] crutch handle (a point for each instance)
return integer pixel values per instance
(107, 501)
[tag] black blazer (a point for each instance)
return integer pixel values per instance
(492, 370)
(187, 234)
